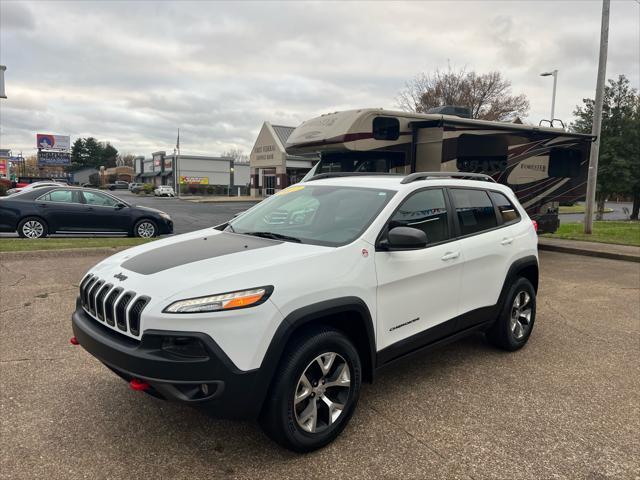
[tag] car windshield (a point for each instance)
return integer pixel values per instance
(315, 214)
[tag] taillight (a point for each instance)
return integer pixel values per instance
(535, 225)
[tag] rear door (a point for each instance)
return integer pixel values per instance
(62, 209)
(418, 290)
(487, 246)
(104, 213)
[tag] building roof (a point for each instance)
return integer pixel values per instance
(283, 132)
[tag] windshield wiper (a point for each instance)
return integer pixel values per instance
(275, 236)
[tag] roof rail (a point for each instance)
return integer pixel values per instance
(427, 175)
(320, 176)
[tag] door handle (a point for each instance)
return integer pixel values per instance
(43, 205)
(506, 241)
(450, 256)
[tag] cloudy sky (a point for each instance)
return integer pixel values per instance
(133, 72)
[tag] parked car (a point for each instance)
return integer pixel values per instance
(133, 185)
(89, 185)
(33, 186)
(164, 191)
(54, 209)
(118, 185)
(281, 313)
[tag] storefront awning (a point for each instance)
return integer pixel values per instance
(149, 174)
(166, 174)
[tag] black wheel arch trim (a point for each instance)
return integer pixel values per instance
(517, 267)
(307, 316)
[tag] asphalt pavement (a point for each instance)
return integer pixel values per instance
(187, 216)
(618, 213)
(565, 406)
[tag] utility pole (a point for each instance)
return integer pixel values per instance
(597, 119)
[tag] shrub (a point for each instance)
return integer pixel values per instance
(210, 189)
(147, 188)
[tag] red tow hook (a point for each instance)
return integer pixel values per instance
(138, 385)
(74, 341)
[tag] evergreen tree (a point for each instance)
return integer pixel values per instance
(618, 163)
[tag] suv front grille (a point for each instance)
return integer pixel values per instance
(108, 304)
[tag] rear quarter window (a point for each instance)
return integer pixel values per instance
(507, 210)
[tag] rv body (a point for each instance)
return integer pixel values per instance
(543, 166)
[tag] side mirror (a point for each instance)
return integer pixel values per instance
(406, 237)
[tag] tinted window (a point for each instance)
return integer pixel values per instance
(62, 196)
(386, 128)
(474, 210)
(427, 211)
(95, 198)
(565, 162)
(507, 210)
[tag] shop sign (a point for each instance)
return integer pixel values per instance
(194, 180)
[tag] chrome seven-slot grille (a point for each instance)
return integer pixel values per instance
(119, 309)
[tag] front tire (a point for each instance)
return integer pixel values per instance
(513, 327)
(33, 227)
(315, 391)
(145, 229)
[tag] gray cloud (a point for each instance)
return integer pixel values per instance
(133, 72)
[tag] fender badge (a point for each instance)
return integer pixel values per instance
(120, 276)
(365, 252)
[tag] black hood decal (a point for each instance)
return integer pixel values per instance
(195, 250)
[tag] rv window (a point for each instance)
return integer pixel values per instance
(481, 153)
(386, 128)
(565, 162)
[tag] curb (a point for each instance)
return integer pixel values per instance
(65, 252)
(589, 253)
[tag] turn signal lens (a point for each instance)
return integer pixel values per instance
(535, 225)
(224, 301)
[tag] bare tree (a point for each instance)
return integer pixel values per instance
(237, 154)
(487, 95)
(126, 159)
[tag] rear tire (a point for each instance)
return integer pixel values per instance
(33, 227)
(145, 228)
(315, 391)
(515, 323)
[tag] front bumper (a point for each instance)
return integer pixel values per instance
(176, 373)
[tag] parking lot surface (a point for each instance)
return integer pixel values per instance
(565, 406)
(187, 216)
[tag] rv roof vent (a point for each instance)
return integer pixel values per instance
(463, 112)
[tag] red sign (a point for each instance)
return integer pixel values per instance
(4, 171)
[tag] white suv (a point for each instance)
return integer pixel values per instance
(282, 312)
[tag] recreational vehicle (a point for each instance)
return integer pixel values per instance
(544, 166)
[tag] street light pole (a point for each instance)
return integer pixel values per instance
(553, 73)
(597, 119)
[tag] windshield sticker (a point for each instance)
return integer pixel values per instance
(295, 188)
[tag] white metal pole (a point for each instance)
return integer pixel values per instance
(597, 119)
(553, 96)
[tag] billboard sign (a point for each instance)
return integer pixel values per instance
(168, 163)
(194, 180)
(53, 142)
(53, 158)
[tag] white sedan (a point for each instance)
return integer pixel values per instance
(164, 191)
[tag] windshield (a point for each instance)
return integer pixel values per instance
(320, 215)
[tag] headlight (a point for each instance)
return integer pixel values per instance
(165, 216)
(223, 301)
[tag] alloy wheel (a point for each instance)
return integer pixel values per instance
(521, 311)
(322, 392)
(33, 229)
(146, 230)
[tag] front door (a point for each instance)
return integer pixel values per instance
(104, 213)
(419, 290)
